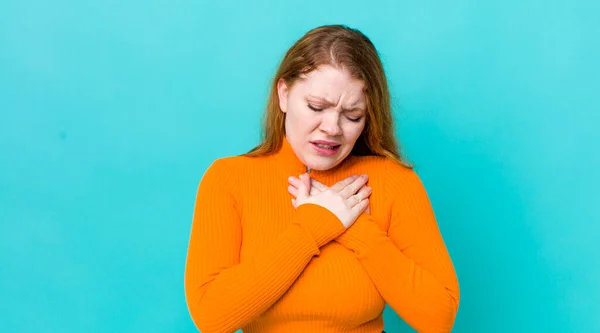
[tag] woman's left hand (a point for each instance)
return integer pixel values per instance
(315, 188)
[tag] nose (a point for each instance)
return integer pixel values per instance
(330, 124)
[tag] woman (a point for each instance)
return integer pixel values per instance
(323, 223)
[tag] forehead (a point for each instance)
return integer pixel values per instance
(331, 82)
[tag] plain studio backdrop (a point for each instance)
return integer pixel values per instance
(111, 111)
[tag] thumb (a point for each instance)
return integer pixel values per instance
(304, 189)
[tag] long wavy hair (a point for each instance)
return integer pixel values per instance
(341, 47)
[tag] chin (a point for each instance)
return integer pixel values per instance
(321, 166)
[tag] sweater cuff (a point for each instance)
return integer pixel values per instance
(319, 222)
(362, 236)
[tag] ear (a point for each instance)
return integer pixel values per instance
(282, 92)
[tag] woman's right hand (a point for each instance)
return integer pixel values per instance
(346, 199)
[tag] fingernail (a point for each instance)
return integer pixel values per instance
(365, 176)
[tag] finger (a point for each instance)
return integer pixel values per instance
(293, 191)
(297, 183)
(343, 183)
(294, 203)
(353, 187)
(362, 194)
(360, 207)
(307, 182)
(339, 186)
(315, 188)
(320, 186)
(294, 181)
(304, 189)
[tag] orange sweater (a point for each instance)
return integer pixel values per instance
(257, 264)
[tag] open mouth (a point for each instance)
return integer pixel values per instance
(326, 149)
(326, 146)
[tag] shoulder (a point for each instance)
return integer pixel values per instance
(231, 166)
(220, 166)
(403, 182)
(228, 177)
(225, 164)
(222, 176)
(394, 175)
(385, 166)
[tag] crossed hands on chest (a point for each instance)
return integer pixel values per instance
(347, 199)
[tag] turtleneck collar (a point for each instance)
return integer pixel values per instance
(289, 163)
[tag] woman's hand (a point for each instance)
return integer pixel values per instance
(316, 187)
(346, 199)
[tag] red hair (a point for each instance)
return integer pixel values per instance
(348, 49)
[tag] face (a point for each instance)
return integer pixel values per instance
(325, 115)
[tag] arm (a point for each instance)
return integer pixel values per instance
(410, 265)
(224, 295)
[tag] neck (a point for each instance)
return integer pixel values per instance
(290, 164)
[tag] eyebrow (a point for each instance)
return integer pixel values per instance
(354, 108)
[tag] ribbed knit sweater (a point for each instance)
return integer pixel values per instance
(258, 264)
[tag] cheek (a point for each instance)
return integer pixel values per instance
(298, 112)
(308, 121)
(353, 132)
(302, 121)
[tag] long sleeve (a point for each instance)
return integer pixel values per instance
(409, 265)
(224, 294)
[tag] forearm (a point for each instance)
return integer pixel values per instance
(426, 301)
(228, 299)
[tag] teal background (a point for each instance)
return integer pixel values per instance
(111, 112)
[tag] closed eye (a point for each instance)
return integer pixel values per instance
(354, 120)
(314, 108)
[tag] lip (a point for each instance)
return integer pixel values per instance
(329, 143)
(325, 151)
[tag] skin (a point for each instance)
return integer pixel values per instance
(317, 187)
(331, 121)
(326, 104)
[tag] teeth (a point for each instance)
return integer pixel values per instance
(324, 146)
